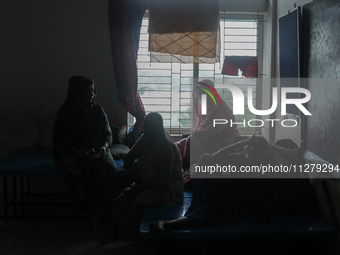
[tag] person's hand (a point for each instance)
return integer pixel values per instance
(85, 156)
(91, 157)
(101, 151)
(185, 136)
(135, 190)
(136, 174)
(128, 192)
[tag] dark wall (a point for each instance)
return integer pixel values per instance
(42, 44)
(322, 67)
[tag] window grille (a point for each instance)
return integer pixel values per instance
(167, 87)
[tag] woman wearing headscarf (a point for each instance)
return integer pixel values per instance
(206, 138)
(81, 141)
(157, 172)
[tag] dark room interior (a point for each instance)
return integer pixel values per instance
(146, 56)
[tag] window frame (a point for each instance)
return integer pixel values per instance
(259, 17)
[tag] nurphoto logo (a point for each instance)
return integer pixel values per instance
(238, 104)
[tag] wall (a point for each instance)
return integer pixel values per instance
(333, 185)
(43, 44)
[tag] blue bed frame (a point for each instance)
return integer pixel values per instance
(280, 226)
(27, 162)
(24, 163)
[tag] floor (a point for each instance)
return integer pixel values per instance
(71, 237)
(56, 237)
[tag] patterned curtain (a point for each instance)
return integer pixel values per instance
(184, 31)
(125, 19)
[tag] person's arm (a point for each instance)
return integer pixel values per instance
(107, 138)
(104, 148)
(134, 153)
(106, 132)
(135, 189)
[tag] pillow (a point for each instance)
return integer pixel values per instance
(119, 151)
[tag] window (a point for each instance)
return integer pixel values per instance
(167, 87)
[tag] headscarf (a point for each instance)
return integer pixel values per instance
(76, 127)
(76, 87)
(218, 111)
(158, 157)
(153, 126)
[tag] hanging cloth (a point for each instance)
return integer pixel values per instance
(247, 64)
(125, 19)
(184, 31)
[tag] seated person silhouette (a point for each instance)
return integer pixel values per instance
(157, 172)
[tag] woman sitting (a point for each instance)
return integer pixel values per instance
(206, 138)
(157, 172)
(81, 141)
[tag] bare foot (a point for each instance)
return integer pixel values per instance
(157, 228)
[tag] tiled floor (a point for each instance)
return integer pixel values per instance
(63, 237)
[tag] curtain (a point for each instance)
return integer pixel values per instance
(125, 19)
(184, 31)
